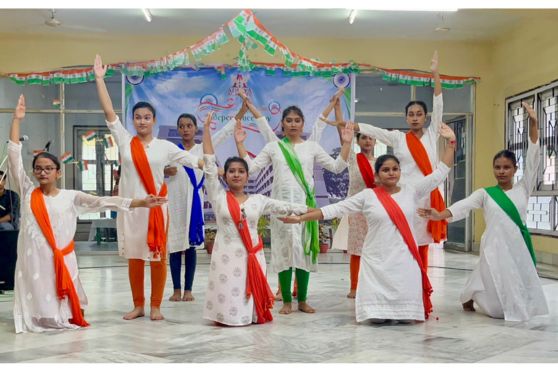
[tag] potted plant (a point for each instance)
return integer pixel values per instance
(324, 238)
(209, 239)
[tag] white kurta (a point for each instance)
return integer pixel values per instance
(505, 283)
(36, 305)
(389, 280)
(132, 227)
(225, 299)
(181, 189)
(410, 173)
(286, 240)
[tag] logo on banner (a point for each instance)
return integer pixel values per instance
(274, 107)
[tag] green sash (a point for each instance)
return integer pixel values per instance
(510, 209)
(311, 233)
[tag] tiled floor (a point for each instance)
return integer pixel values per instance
(330, 335)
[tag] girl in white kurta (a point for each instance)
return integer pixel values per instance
(225, 300)
(181, 197)
(287, 250)
(505, 283)
(389, 281)
(133, 227)
(37, 307)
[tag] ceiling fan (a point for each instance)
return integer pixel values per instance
(54, 22)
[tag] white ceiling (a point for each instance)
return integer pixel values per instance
(478, 25)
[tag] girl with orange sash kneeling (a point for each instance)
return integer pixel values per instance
(238, 292)
(142, 235)
(505, 283)
(392, 281)
(48, 294)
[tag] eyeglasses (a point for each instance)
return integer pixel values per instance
(47, 170)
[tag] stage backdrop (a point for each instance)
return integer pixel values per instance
(200, 91)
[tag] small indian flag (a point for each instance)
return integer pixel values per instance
(66, 157)
(56, 103)
(37, 152)
(83, 165)
(90, 135)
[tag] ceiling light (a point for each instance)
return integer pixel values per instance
(442, 29)
(352, 16)
(147, 14)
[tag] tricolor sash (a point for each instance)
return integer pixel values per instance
(507, 205)
(256, 282)
(366, 170)
(156, 231)
(64, 284)
(195, 233)
(311, 232)
(400, 221)
(438, 229)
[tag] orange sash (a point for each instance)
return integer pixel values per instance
(64, 284)
(256, 282)
(366, 170)
(438, 229)
(156, 231)
(400, 221)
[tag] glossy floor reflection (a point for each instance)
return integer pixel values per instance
(330, 335)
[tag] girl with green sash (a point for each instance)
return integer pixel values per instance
(505, 283)
(294, 246)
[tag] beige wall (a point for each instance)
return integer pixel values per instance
(523, 60)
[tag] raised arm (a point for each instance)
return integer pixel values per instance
(207, 140)
(320, 125)
(228, 130)
(102, 91)
(430, 182)
(15, 161)
(436, 118)
(533, 159)
(259, 119)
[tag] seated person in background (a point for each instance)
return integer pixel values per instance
(9, 206)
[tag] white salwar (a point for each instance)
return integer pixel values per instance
(286, 239)
(132, 227)
(36, 304)
(225, 299)
(181, 189)
(410, 173)
(389, 280)
(505, 283)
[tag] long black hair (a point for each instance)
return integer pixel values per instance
(187, 116)
(506, 154)
(147, 105)
(46, 155)
(235, 159)
(382, 159)
(420, 103)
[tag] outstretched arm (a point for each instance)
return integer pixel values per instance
(313, 214)
(102, 91)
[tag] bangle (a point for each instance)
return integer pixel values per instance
(453, 142)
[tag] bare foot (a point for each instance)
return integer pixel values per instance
(278, 295)
(175, 296)
(286, 309)
(468, 306)
(136, 313)
(156, 314)
(305, 308)
(352, 293)
(187, 296)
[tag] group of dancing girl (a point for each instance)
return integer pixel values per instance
(394, 205)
